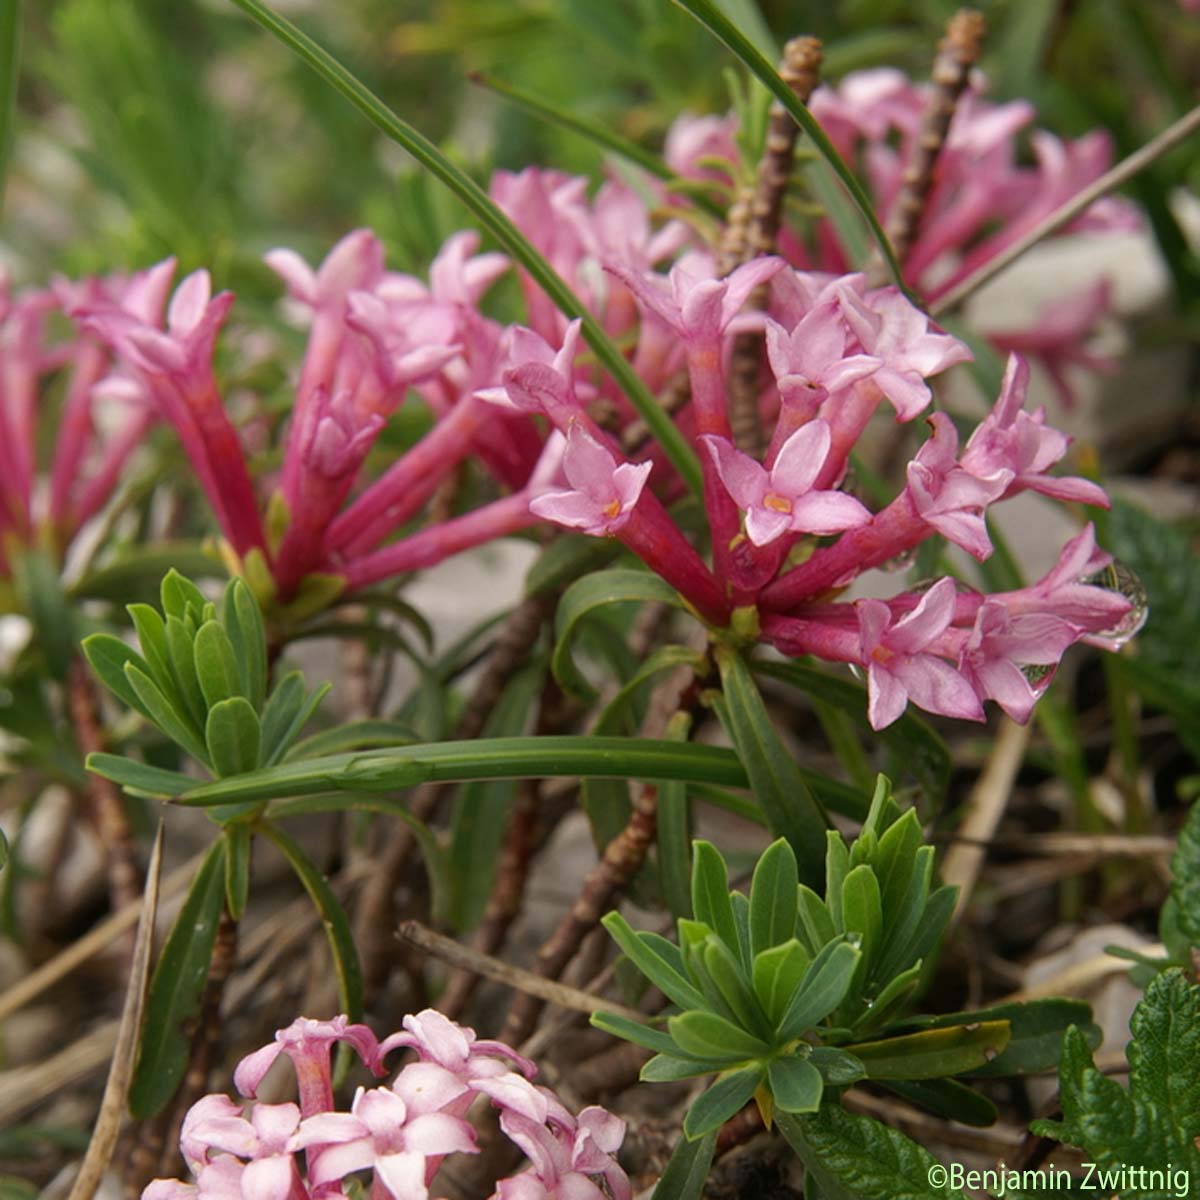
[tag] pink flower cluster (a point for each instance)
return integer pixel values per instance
(101, 420)
(399, 1133)
(984, 196)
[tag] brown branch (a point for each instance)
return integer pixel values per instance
(676, 394)
(105, 807)
(800, 69)
(375, 916)
(957, 54)
(1125, 170)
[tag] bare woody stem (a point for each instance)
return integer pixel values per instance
(754, 233)
(106, 810)
(957, 54)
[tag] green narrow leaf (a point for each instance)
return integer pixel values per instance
(862, 912)
(216, 664)
(777, 974)
(725, 971)
(635, 1032)
(233, 736)
(369, 734)
(710, 893)
(707, 1035)
(177, 592)
(333, 917)
(933, 1053)
(243, 624)
(662, 972)
(899, 935)
(39, 586)
(152, 638)
(585, 596)
(837, 1068)
(108, 656)
(183, 669)
(300, 715)
(176, 988)
(674, 831)
(279, 714)
(947, 1098)
(1036, 1030)
(815, 922)
(773, 897)
(139, 778)
(791, 810)
(723, 1100)
(163, 713)
(545, 757)
(822, 989)
(238, 839)
(837, 866)
(664, 429)
(670, 1068)
(796, 1085)
(723, 29)
(687, 1172)
(10, 71)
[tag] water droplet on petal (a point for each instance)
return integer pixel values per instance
(857, 672)
(1119, 578)
(1038, 674)
(901, 562)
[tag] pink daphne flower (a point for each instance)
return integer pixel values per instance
(379, 1133)
(437, 1039)
(307, 1043)
(904, 662)
(602, 494)
(782, 500)
(949, 498)
(1010, 439)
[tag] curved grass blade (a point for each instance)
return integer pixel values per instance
(593, 131)
(333, 917)
(724, 30)
(493, 220)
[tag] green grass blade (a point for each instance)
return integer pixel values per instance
(10, 65)
(724, 30)
(493, 221)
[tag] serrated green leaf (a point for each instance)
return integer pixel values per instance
(176, 988)
(661, 971)
(789, 805)
(1157, 1120)
(933, 1053)
(585, 597)
(238, 839)
(243, 624)
(333, 917)
(773, 897)
(854, 1157)
(796, 1085)
(777, 975)
(687, 1172)
(233, 736)
(216, 664)
(723, 1100)
(707, 1035)
(1185, 879)
(822, 989)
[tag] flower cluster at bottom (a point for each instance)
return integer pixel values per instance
(399, 1133)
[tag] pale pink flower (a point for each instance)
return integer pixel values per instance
(438, 1039)
(540, 379)
(354, 264)
(1012, 440)
(378, 1133)
(603, 493)
(903, 662)
(696, 147)
(948, 497)
(782, 500)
